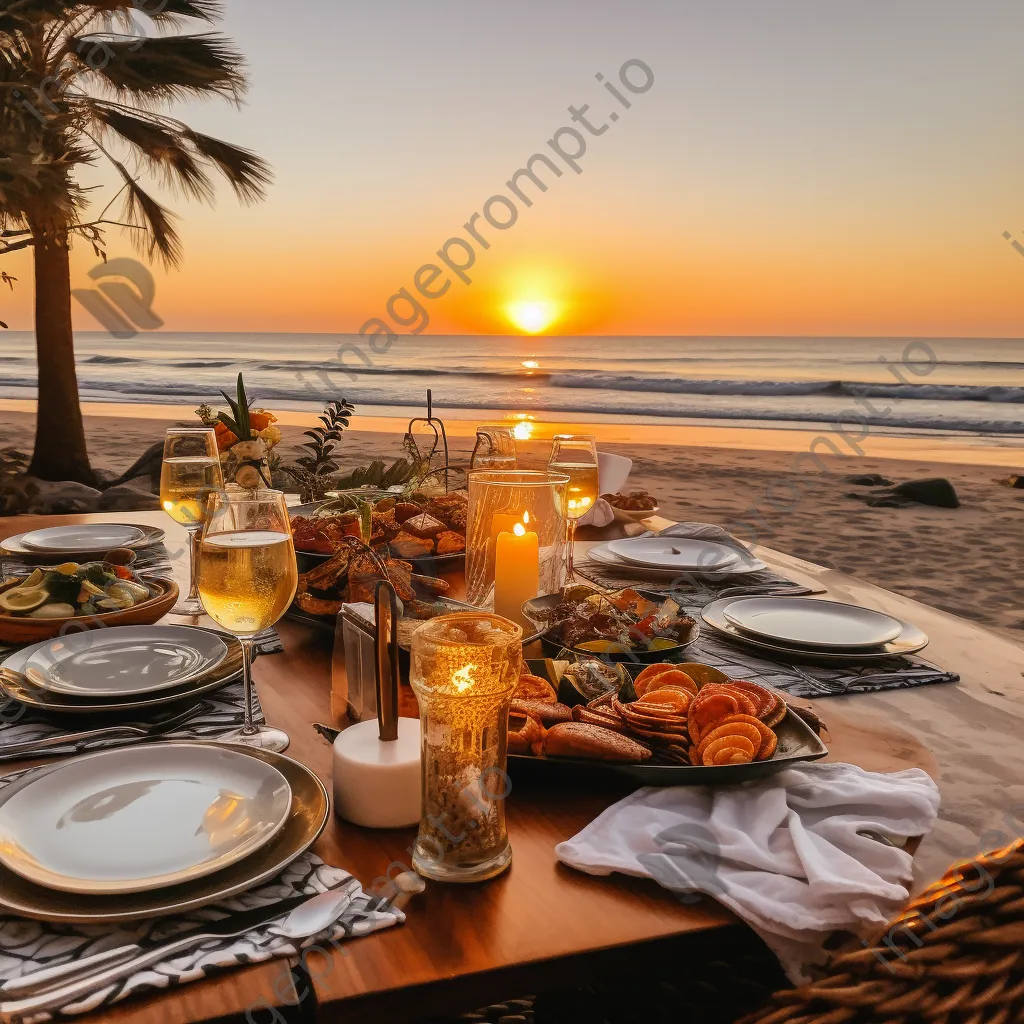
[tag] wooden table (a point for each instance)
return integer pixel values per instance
(543, 925)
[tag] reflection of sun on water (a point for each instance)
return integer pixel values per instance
(523, 431)
(531, 364)
(532, 316)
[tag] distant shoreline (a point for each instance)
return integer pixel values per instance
(922, 446)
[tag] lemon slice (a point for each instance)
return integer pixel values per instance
(23, 599)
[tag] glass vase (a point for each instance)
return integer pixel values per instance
(464, 668)
(499, 500)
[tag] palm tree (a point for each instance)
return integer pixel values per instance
(79, 83)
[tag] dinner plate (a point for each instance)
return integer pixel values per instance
(139, 818)
(151, 535)
(124, 661)
(87, 537)
(309, 813)
(679, 553)
(16, 685)
(910, 641)
(801, 622)
(603, 554)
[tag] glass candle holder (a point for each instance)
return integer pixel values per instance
(515, 538)
(464, 669)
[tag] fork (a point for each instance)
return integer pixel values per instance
(79, 740)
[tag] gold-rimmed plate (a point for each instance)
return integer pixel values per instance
(14, 684)
(310, 809)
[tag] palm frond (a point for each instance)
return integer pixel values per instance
(158, 235)
(165, 11)
(160, 146)
(162, 68)
(248, 174)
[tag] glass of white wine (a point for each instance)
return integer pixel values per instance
(247, 579)
(189, 474)
(575, 455)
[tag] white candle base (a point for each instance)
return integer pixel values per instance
(376, 783)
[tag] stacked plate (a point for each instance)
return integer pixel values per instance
(88, 540)
(666, 557)
(154, 829)
(801, 627)
(122, 668)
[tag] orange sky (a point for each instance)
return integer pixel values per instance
(792, 170)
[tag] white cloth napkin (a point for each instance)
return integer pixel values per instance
(28, 946)
(600, 515)
(788, 853)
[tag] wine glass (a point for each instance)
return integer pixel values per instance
(575, 455)
(495, 448)
(189, 474)
(247, 579)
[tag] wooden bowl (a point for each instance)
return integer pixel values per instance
(20, 629)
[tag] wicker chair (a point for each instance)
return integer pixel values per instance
(955, 956)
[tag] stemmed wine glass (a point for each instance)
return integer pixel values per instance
(189, 474)
(247, 579)
(575, 455)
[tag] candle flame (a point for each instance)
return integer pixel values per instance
(526, 517)
(519, 530)
(463, 678)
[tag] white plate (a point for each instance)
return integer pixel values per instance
(802, 622)
(680, 553)
(152, 535)
(124, 661)
(141, 818)
(602, 554)
(88, 537)
(910, 641)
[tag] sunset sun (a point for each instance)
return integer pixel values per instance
(533, 315)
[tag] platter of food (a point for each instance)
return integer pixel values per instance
(351, 576)
(429, 531)
(621, 625)
(81, 596)
(669, 725)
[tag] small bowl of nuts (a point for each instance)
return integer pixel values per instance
(632, 507)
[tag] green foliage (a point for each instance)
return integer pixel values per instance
(314, 469)
(238, 421)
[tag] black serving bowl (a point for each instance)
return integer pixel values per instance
(536, 609)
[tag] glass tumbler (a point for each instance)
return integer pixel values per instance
(464, 669)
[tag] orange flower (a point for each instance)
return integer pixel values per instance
(225, 438)
(260, 420)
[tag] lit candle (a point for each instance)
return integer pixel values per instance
(516, 571)
(501, 522)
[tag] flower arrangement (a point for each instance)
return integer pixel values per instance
(246, 439)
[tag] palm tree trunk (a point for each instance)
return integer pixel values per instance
(60, 452)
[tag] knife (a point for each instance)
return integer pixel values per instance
(92, 973)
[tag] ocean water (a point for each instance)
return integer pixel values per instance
(901, 385)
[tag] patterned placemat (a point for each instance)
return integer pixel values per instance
(29, 946)
(816, 681)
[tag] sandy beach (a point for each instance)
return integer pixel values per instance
(966, 561)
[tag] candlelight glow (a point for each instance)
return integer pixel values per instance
(519, 530)
(526, 517)
(463, 678)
